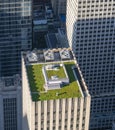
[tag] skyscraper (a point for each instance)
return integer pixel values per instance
(54, 94)
(59, 6)
(90, 28)
(10, 103)
(15, 34)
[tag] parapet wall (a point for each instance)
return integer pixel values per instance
(28, 110)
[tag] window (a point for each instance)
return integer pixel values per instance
(10, 113)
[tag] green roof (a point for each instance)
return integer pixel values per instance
(59, 72)
(36, 81)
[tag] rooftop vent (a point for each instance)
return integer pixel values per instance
(32, 57)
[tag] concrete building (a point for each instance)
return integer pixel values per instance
(10, 103)
(91, 34)
(67, 108)
(59, 6)
(15, 34)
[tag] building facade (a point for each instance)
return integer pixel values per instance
(113, 126)
(91, 34)
(10, 103)
(59, 6)
(15, 34)
(53, 114)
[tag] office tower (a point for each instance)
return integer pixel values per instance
(54, 93)
(91, 34)
(10, 103)
(113, 126)
(41, 1)
(15, 34)
(59, 6)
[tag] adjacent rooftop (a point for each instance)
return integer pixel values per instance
(10, 83)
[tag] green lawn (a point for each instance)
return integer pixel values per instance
(36, 78)
(36, 81)
(59, 73)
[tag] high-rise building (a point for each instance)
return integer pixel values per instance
(59, 6)
(113, 126)
(10, 103)
(54, 94)
(90, 28)
(15, 34)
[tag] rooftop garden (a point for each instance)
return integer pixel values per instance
(36, 81)
(58, 71)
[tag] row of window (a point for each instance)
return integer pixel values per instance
(101, 122)
(11, 1)
(10, 113)
(93, 1)
(96, 15)
(99, 5)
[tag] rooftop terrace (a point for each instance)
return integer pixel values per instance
(58, 71)
(37, 81)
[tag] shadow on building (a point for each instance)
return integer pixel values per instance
(25, 122)
(92, 41)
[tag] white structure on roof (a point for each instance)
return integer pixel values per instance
(32, 57)
(65, 54)
(54, 82)
(53, 66)
(48, 55)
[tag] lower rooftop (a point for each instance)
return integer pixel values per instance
(37, 82)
